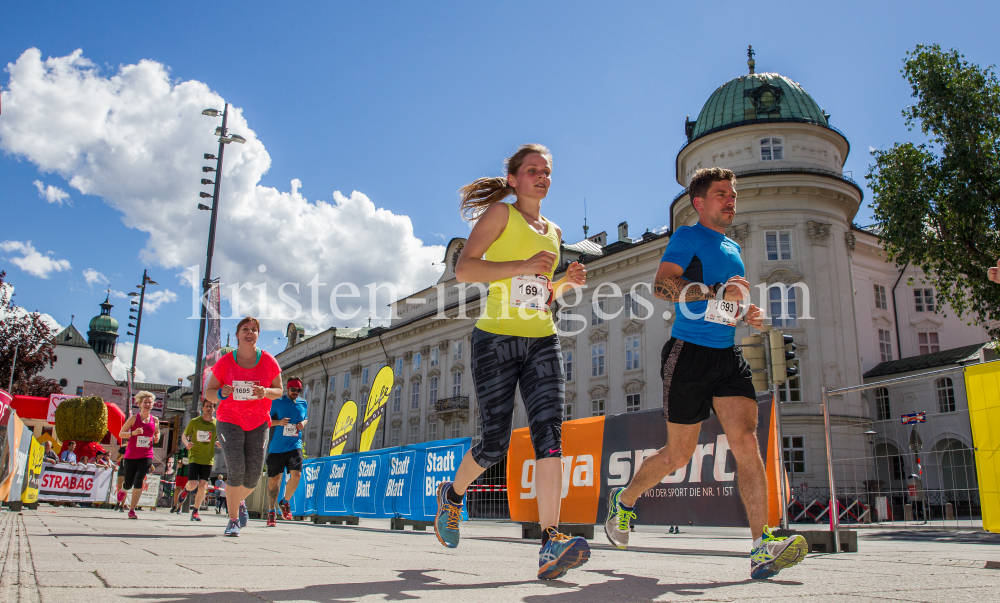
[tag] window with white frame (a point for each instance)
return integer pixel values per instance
(597, 359)
(456, 428)
(399, 366)
(597, 312)
(457, 353)
(928, 343)
(597, 408)
(435, 352)
(414, 434)
(416, 361)
(394, 438)
(568, 411)
(568, 365)
(633, 403)
(790, 390)
(883, 409)
(793, 449)
(923, 300)
(397, 398)
(432, 431)
(633, 353)
(783, 306)
(778, 245)
(456, 383)
(333, 383)
(631, 306)
(881, 301)
(364, 375)
(945, 394)
(415, 395)
(432, 394)
(772, 149)
(347, 380)
(884, 345)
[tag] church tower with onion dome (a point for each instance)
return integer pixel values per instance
(103, 333)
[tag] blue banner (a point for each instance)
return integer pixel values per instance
(391, 482)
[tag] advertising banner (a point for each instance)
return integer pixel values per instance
(213, 336)
(5, 399)
(600, 453)
(15, 458)
(80, 483)
(345, 424)
(150, 490)
(982, 382)
(54, 401)
(392, 482)
(376, 407)
(32, 472)
(117, 395)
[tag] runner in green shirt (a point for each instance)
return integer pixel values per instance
(199, 439)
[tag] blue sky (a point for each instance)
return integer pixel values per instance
(404, 103)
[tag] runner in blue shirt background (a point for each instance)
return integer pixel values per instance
(288, 418)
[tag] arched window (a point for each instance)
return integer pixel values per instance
(772, 149)
(882, 407)
(945, 394)
(456, 383)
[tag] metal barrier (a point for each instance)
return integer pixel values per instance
(486, 498)
(899, 453)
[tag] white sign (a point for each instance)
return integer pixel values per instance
(119, 396)
(150, 490)
(243, 390)
(81, 483)
(54, 401)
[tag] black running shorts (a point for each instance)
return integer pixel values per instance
(694, 374)
(199, 472)
(277, 462)
(135, 472)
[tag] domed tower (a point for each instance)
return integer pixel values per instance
(794, 212)
(102, 335)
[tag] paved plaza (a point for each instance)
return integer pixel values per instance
(77, 554)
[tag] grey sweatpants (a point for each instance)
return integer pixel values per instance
(244, 452)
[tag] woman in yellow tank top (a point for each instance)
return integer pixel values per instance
(515, 344)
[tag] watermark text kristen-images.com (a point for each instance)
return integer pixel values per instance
(455, 301)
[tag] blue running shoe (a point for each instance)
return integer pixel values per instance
(447, 518)
(233, 528)
(244, 515)
(775, 554)
(561, 554)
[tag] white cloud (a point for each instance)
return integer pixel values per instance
(7, 291)
(94, 276)
(31, 261)
(52, 194)
(155, 299)
(136, 137)
(152, 365)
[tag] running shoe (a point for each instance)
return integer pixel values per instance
(286, 510)
(120, 496)
(271, 519)
(182, 497)
(244, 515)
(775, 554)
(132, 515)
(447, 518)
(232, 528)
(617, 527)
(195, 516)
(560, 553)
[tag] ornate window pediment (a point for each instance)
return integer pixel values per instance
(458, 366)
(632, 326)
(397, 423)
(415, 380)
(434, 372)
(567, 342)
(414, 421)
(738, 232)
(818, 232)
(598, 334)
(782, 275)
(634, 386)
(570, 397)
(927, 325)
(598, 392)
(882, 323)
(345, 394)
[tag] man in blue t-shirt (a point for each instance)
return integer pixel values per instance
(703, 370)
(288, 417)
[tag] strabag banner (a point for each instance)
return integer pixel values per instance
(600, 453)
(80, 483)
(391, 482)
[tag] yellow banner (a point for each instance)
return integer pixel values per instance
(376, 407)
(345, 423)
(33, 473)
(982, 383)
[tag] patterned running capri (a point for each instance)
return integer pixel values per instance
(501, 363)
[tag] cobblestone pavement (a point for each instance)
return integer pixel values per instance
(77, 554)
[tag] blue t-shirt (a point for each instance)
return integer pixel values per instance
(295, 411)
(707, 257)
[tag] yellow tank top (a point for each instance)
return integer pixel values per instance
(518, 241)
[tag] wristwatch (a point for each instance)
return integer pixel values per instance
(718, 287)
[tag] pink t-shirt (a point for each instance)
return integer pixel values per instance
(248, 414)
(141, 446)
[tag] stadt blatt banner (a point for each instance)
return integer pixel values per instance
(392, 482)
(600, 453)
(80, 483)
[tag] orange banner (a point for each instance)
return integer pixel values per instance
(582, 441)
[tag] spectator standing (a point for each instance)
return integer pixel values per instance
(50, 455)
(220, 495)
(68, 456)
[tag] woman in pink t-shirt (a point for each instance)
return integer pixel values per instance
(244, 383)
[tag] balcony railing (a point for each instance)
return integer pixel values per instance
(453, 403)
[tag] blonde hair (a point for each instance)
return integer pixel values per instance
(140, 396)
(484, 192)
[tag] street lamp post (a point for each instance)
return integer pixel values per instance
(206, 283)
(138, 324)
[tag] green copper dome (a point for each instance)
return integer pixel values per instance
(104, 323)
(756, 98)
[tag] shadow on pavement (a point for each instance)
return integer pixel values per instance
(960, 537)
(596, 546)
(635, 588)
(123, 536)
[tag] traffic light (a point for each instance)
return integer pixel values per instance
(791, 362)
(783, 362)
(754, 353)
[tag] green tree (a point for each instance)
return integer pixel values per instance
(937, 204)
(28, 333)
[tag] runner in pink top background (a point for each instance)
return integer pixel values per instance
(140, 431)
(244, 383)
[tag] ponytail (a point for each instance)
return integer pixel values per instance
(482, 193)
